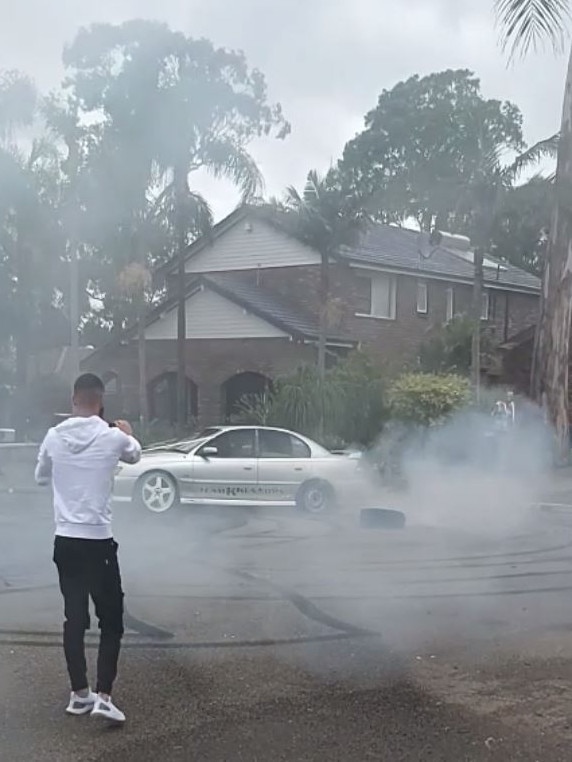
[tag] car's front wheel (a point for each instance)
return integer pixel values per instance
(316, 497)
(157, 491)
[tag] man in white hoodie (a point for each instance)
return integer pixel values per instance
(79, 458)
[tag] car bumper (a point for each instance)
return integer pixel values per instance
(123, 487)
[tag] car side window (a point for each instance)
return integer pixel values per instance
(234, 444)
(280, 444)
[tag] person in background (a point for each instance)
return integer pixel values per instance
(79, 457)
(501, 415)
(510, 408)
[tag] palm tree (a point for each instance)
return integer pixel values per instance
(207, 120)
(524, 24)
(325, 217)
(479, 204)
(186, 106)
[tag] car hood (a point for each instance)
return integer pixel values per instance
(162, 454)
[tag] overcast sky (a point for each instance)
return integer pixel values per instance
(325, 61)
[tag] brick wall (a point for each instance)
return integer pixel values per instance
(209, 365)
(392, 342)
(395, 341)
(398, 340)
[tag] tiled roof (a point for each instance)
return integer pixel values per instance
(390, 247)
(267, 305)
(398, 248)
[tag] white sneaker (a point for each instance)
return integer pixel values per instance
(106, 710)
(81, 704)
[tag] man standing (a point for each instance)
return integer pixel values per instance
(79, 457)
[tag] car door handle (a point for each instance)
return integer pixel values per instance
(298, 468)
(248, 468)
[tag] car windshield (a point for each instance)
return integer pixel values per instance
(185, 446)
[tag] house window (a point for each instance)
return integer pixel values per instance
(450, 294)
(376, 297)
(485, 306)
(422, 299)
(450, 308)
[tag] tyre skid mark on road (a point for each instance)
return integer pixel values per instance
(199, 645)
(304, 605)
(146, 629)
(28, 589)
(460, 559)
(540, 559)
(162, 639)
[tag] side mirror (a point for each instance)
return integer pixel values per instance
(209, 452)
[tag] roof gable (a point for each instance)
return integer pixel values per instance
(250, 244)
(211, 315)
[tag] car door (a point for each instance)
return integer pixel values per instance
(227, 475)
(284, 463)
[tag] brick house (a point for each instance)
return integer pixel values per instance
(253, 311)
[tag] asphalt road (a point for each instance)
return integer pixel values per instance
(267, 636)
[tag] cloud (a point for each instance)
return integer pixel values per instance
(326, 61)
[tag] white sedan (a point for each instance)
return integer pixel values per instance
(240, 466)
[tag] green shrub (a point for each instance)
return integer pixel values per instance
(448, 348)
(427, 398)
(350, 399)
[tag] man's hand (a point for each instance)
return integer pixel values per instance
(125, 427)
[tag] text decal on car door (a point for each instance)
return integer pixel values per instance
(236, 491)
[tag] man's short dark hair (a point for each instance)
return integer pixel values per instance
(90, 383)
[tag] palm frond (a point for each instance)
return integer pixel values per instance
(222, 158)
(544, 149)
(18, 103)
(526, 23)
(190, 206)
(200, 212)
(292, 199)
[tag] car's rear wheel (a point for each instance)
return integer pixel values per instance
(157, 492)
(316, 497)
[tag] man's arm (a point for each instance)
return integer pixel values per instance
(131, 450)
(43, 473)
(130, 447)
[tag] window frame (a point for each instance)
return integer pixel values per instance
(213, 443)
(392, 311)
(449, 304)
(292, 437)
(422, 289)
(485, 306)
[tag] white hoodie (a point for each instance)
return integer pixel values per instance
(80, 456)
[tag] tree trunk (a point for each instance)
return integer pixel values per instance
(541, 340)
(142, 363)
(22, 338)
(323, 339)
(477, 312)
(180, 181)
(551, 357)
(71, 218)
(323, 327)
(139, 256)
(74, 312)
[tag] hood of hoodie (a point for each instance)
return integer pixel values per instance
(79, 433)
